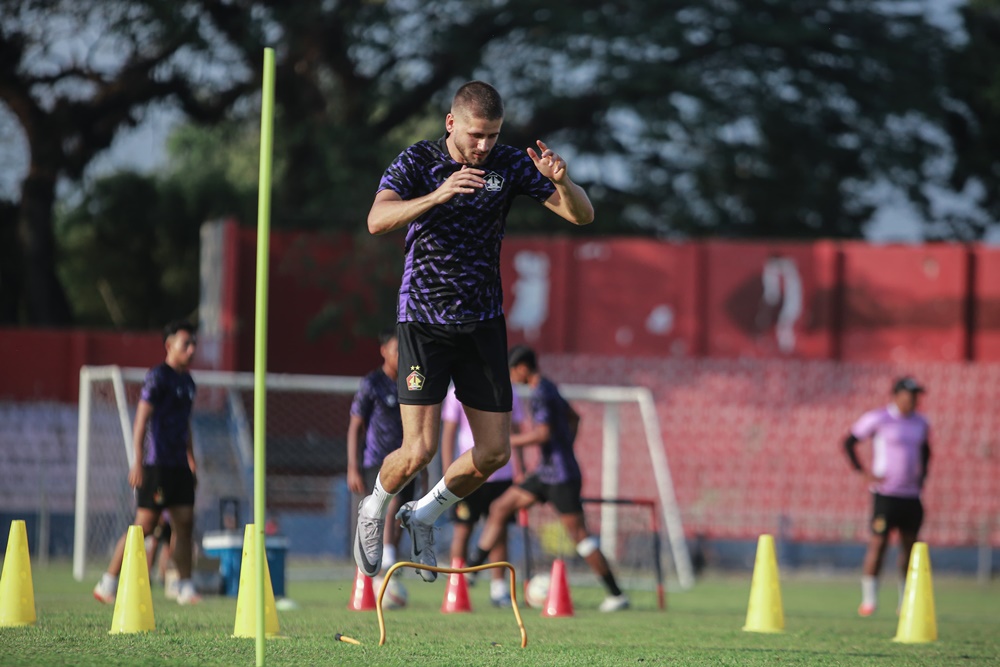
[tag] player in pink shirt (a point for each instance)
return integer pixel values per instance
(456, 439)
(900, 456)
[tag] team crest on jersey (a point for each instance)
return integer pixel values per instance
(494, 182)
(415, 381)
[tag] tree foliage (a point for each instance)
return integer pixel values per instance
(682, 118)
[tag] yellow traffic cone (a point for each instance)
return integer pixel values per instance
(246, 601)
(917, 621)
(17, 595)
(134, 602)
(764, 613)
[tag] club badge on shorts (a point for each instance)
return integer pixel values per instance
(414, 381)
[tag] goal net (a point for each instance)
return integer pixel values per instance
(619, 447)
(306, 493)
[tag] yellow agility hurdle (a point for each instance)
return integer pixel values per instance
(450, 570)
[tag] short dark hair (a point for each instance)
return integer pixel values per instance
(178, 325)
(522, 354)
(385, 335)
(480, 99)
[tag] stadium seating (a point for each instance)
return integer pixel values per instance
(755, 446)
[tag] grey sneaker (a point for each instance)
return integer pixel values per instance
(368, 543)
(421, 539)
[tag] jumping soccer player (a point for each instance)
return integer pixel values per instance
(900, 458)
(556, 480)
(163, 469)
(452, 196)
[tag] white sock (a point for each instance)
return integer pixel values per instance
(377, 504)
(869, 590)
(433, 505)
(388, 556)
(109, 582)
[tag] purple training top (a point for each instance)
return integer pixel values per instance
(558, 464)
(172, 395)
(451, 274)
(896, 449)
(452, 411)
(377, 403)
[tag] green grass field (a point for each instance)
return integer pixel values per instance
(700, 627)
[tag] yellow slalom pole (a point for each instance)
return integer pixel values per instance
(260, 340)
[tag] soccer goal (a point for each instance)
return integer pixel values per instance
(307, 424)
(619, 447)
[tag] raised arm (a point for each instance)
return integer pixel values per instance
(569, 201)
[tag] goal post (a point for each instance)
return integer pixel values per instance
(619, 446)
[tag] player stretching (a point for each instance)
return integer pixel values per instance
(901, 453)
(163, 473)
(452, 196)
(456, 437)
(557, 479)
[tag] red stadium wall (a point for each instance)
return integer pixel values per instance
(44, 364)
(619, 297)
(905, 303)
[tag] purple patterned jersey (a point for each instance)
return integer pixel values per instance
(548, 407)
(451, 274)
(172, 395)
(377, 404)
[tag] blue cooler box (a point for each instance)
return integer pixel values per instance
(227, 546)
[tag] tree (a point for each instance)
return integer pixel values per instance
(74, 74)
(974, 119)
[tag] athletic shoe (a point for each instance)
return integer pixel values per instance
(866, 609)
(368, 543)
(421, 541)
(615, 603)
(103, 593)
(187, 594)
(500, 600)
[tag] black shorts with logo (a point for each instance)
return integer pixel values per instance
(473, 355)
(889, 512)
(477, 504)
(165, 486)
(565, 497)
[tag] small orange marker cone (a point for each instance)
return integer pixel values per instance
(363, 597)
(559, 602)
(456, 595)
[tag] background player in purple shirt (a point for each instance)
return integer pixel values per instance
(900, 457)
(452, 196)
(163, 468)
(556, 480)
(456, 439)
(374, 431)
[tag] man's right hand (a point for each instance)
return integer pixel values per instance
(135, 475)
(464, 181)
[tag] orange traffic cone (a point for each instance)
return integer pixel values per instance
(456, 595)
(559, 602)
(363, 598)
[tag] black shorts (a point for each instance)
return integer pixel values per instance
(477, 504)
(889, 512)
(406, 494)
(472, 355)
(165, 486)
(565, 497)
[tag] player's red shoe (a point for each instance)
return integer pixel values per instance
(866, 610)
